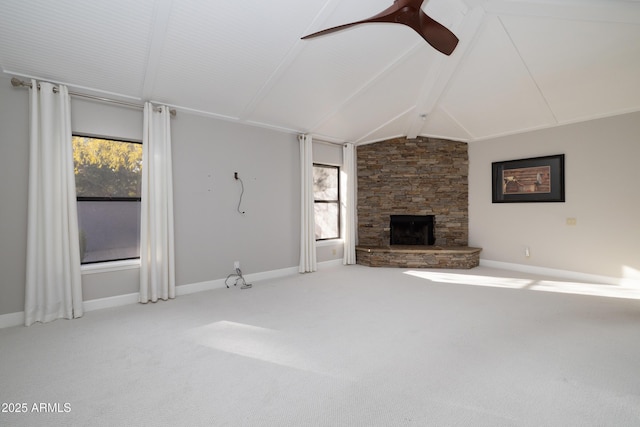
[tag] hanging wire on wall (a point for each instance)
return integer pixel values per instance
(235, 175)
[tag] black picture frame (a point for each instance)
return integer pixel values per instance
(536, 179)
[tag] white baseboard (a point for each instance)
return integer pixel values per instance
(274, 274)
(192, 288)
(331, 263)
(17, 319)
(109, 302)
(219, 283)
(563, 274)
(11, 319)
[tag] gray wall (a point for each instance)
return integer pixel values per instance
(602, 175)
(14, 161)
(210, 233)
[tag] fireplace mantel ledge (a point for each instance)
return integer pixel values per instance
(419, 249)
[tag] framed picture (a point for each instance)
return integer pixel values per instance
(537, 179)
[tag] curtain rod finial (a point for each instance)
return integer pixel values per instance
(15, 82)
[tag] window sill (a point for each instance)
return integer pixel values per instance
(331, 242)
(107, 267)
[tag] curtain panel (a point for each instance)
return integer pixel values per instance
(53, 281)
(307, 209)
(157, 259)
(349, 203)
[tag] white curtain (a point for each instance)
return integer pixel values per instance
(157, 263)
(53, 280)
(307, 220)
(349, 203)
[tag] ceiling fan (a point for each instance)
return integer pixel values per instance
(408, 12)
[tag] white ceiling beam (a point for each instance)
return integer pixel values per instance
(532, 77)
(393, 64)
(462, 127)
(432, 88)
(439, 76)
(288, 59)
(363, 139)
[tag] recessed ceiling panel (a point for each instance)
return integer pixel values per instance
(390, 94)
(584, 69)
(100, 45)
(330, 70)
(218, 55)
(492, 92)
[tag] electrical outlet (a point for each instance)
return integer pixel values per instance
(572, 221)
(236, 265)
(527, 252)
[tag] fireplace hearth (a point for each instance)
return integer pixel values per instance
(412, 230)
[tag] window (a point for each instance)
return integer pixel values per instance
(108, 183)
(326, 195)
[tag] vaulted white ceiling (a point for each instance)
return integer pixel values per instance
(520, 65)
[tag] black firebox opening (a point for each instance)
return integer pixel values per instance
(412, 230)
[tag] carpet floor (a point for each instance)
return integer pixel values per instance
(345, 346)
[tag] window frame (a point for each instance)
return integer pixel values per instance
(327, 201)
(114, 261)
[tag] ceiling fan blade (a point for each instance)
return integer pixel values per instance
(331, 30)
(409, 13)
(386, 15)
(436, 34)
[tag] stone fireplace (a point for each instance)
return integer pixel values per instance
(408, 179)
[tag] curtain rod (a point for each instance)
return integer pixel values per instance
(15, 82)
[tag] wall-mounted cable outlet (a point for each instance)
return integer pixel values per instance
(236, 265)
(235, 175)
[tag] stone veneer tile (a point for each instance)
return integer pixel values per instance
(423, 176)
